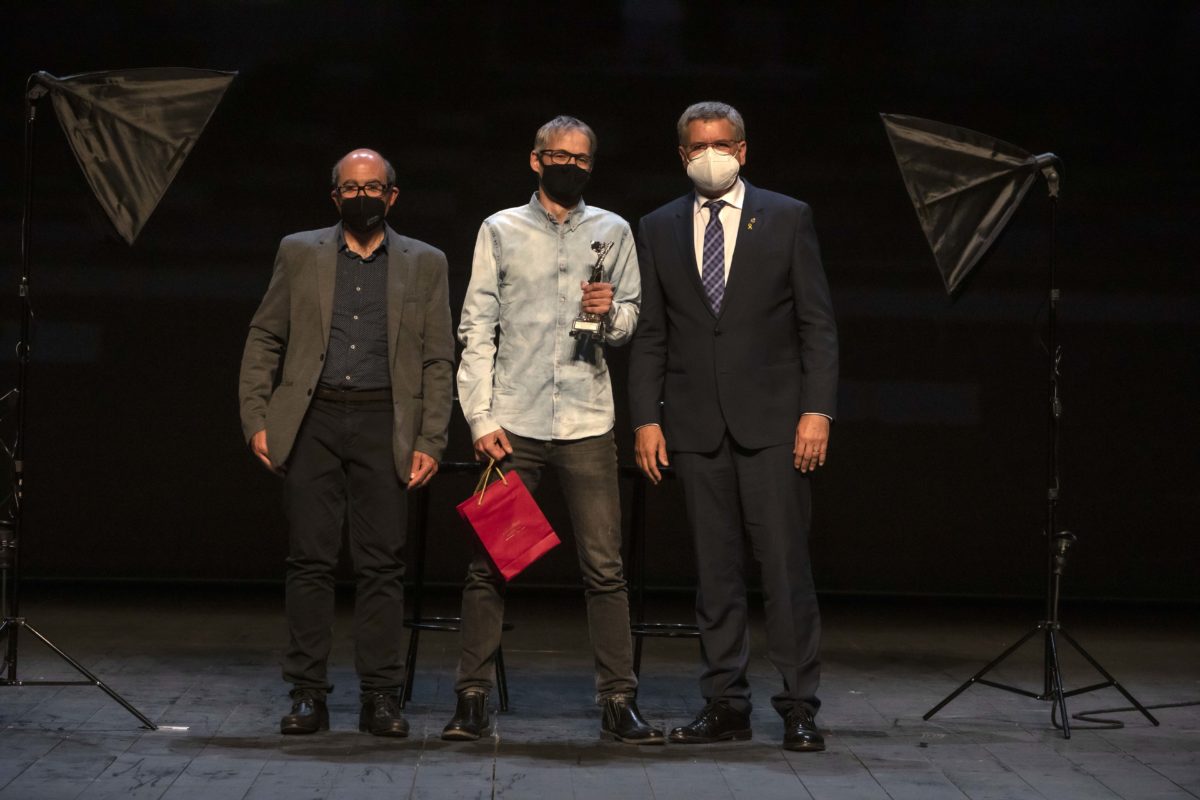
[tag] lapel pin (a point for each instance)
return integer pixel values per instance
(750, 224)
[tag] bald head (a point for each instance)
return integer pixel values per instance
(363, 166)
(364, 191)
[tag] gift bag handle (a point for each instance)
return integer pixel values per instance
(481, 487)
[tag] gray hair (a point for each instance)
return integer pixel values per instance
(561, 124)
(709, 110)
(387, 166)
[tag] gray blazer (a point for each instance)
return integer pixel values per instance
(289, 334)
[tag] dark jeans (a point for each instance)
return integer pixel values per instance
(342, 474)
(587, 472)
(734, 494)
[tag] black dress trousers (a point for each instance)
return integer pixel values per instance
(735, 494)
(342, 475)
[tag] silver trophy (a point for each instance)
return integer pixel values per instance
(588, 326)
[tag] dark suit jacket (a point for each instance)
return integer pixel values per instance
(770, 356)
(289, 334)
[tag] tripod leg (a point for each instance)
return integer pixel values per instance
(1096, 665)
(82, 670)
(1055, 680)
(986, 669)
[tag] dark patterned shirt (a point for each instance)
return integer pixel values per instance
(357, 357)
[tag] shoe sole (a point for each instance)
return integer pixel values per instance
(732, 736)
(464, 736)
(805, 747)
(303, 731)
(389, 734)
(653, 741)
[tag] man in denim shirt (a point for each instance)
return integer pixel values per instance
(536, 397)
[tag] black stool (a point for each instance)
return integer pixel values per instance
(634, 566)
(418, 622)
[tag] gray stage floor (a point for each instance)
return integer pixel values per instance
(202, 664)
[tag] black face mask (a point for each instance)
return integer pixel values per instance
(564, 182)
(363, 214)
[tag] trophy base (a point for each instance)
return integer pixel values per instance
(582, 327)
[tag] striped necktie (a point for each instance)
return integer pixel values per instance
(712, 272)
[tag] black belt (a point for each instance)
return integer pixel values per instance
(354, 395)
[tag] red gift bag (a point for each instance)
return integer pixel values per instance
(508, 522)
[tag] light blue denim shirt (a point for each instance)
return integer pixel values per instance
(535, 379)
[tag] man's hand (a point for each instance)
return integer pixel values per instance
(650, 450)
(492, 445)
(812, 439)
(597, 297)
(258, 446)
(424, 467)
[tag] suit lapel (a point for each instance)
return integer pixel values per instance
(685, 235)
(327, 254)
(745, 251)
(400, 268)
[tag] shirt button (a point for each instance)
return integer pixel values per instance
(347, 377)
(358, 288)
(353, 347)
(356, 316)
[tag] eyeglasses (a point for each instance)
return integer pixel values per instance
(372, 189)
(582, 160)
(725, 147)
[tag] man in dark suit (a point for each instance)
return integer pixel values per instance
(345, 391)
(733, 372)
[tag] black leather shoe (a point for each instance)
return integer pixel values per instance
(470, 718)
(800, 732)
(623, 722)
(717, 722)
(380, 715)
(309, 713)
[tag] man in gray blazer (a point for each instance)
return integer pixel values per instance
(345, 392)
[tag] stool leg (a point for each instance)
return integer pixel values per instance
(410, 665)
(637, 559)
(418, 591)
(501, 679)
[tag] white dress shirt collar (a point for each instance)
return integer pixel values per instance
(735, 197)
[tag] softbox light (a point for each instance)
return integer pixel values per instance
(964, 186)
(131, 130)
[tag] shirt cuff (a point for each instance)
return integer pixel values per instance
(481, 426)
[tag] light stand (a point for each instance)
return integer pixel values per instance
(1058, 544)
(11, 530)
